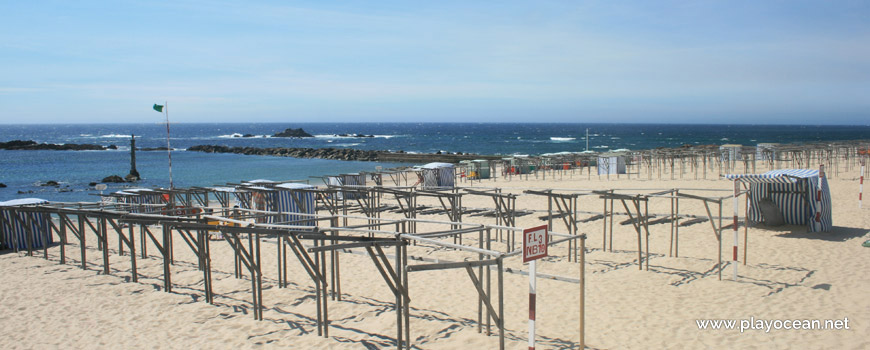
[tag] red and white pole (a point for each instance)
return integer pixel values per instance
(532, 291)
(736, 239)
(861, 186)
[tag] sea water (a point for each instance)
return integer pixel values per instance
(23, 171)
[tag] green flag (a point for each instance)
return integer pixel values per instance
(158, 108)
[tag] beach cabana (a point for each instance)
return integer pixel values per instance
(141, 200)
(766, 151)
(355, 179)
(520, 164)
(292, 198)
(14, 225)
(794, 192)
(611, 163)
(438, 176)
(479, 169)
(730, 152)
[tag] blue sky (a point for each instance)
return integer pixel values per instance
(803, 62)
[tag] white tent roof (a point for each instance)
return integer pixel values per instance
(294, 185)
(23, 201)
(437, 165)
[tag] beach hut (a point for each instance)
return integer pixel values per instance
(611, 163)
(141, 200)
(14, 225)
(790, 195)
(355, 179)
(292, 198)
(766, 151)
(464, 169)
(438, 176)
(520, 164)
(478, 169)
(730, 152)
(261, 198)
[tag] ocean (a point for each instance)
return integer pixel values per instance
(24, 171)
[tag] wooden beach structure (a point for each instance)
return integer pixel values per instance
(315, 226)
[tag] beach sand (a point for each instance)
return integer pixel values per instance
(790, 274)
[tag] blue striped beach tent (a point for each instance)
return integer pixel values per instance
(355, 179)
(245, 194)
(16, 225)
(794, 191)
(438, 176)
(336, 181)
(293, 199)
(142, 200)
(266, 199)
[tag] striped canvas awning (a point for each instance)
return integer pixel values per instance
(796, 192)
(19, 229)
(291, 200)
(783, 176)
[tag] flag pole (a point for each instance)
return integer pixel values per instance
(168, 148)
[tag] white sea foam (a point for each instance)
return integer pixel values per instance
(114, 136)
(239, 136)
(351, 136)
(562, 139)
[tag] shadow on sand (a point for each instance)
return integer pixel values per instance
(837, 234)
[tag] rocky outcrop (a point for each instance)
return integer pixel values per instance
(320, 153)
(341, 154)
(112, 179)
(33, 145)
(131, 177)
(2, 185)
(290, 132)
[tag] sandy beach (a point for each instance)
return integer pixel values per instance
(790, 275)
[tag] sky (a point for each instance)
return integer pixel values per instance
(757, 62)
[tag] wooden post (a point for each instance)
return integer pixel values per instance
(167, 283)
(611, 222)
(82, 239)
(135, 277)
(646, 230)
(719, 235)
(104, 235)
(63, 242)
(677, 223)
(671, 246)
(604, 227)
(399, 297)
(500, 303)
(582, 344)
(746, 228)
(143, 243)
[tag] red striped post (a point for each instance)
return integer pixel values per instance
(532, 292)
(736, 238)
(535, 242)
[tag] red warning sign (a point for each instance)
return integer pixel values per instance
(535, 242)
